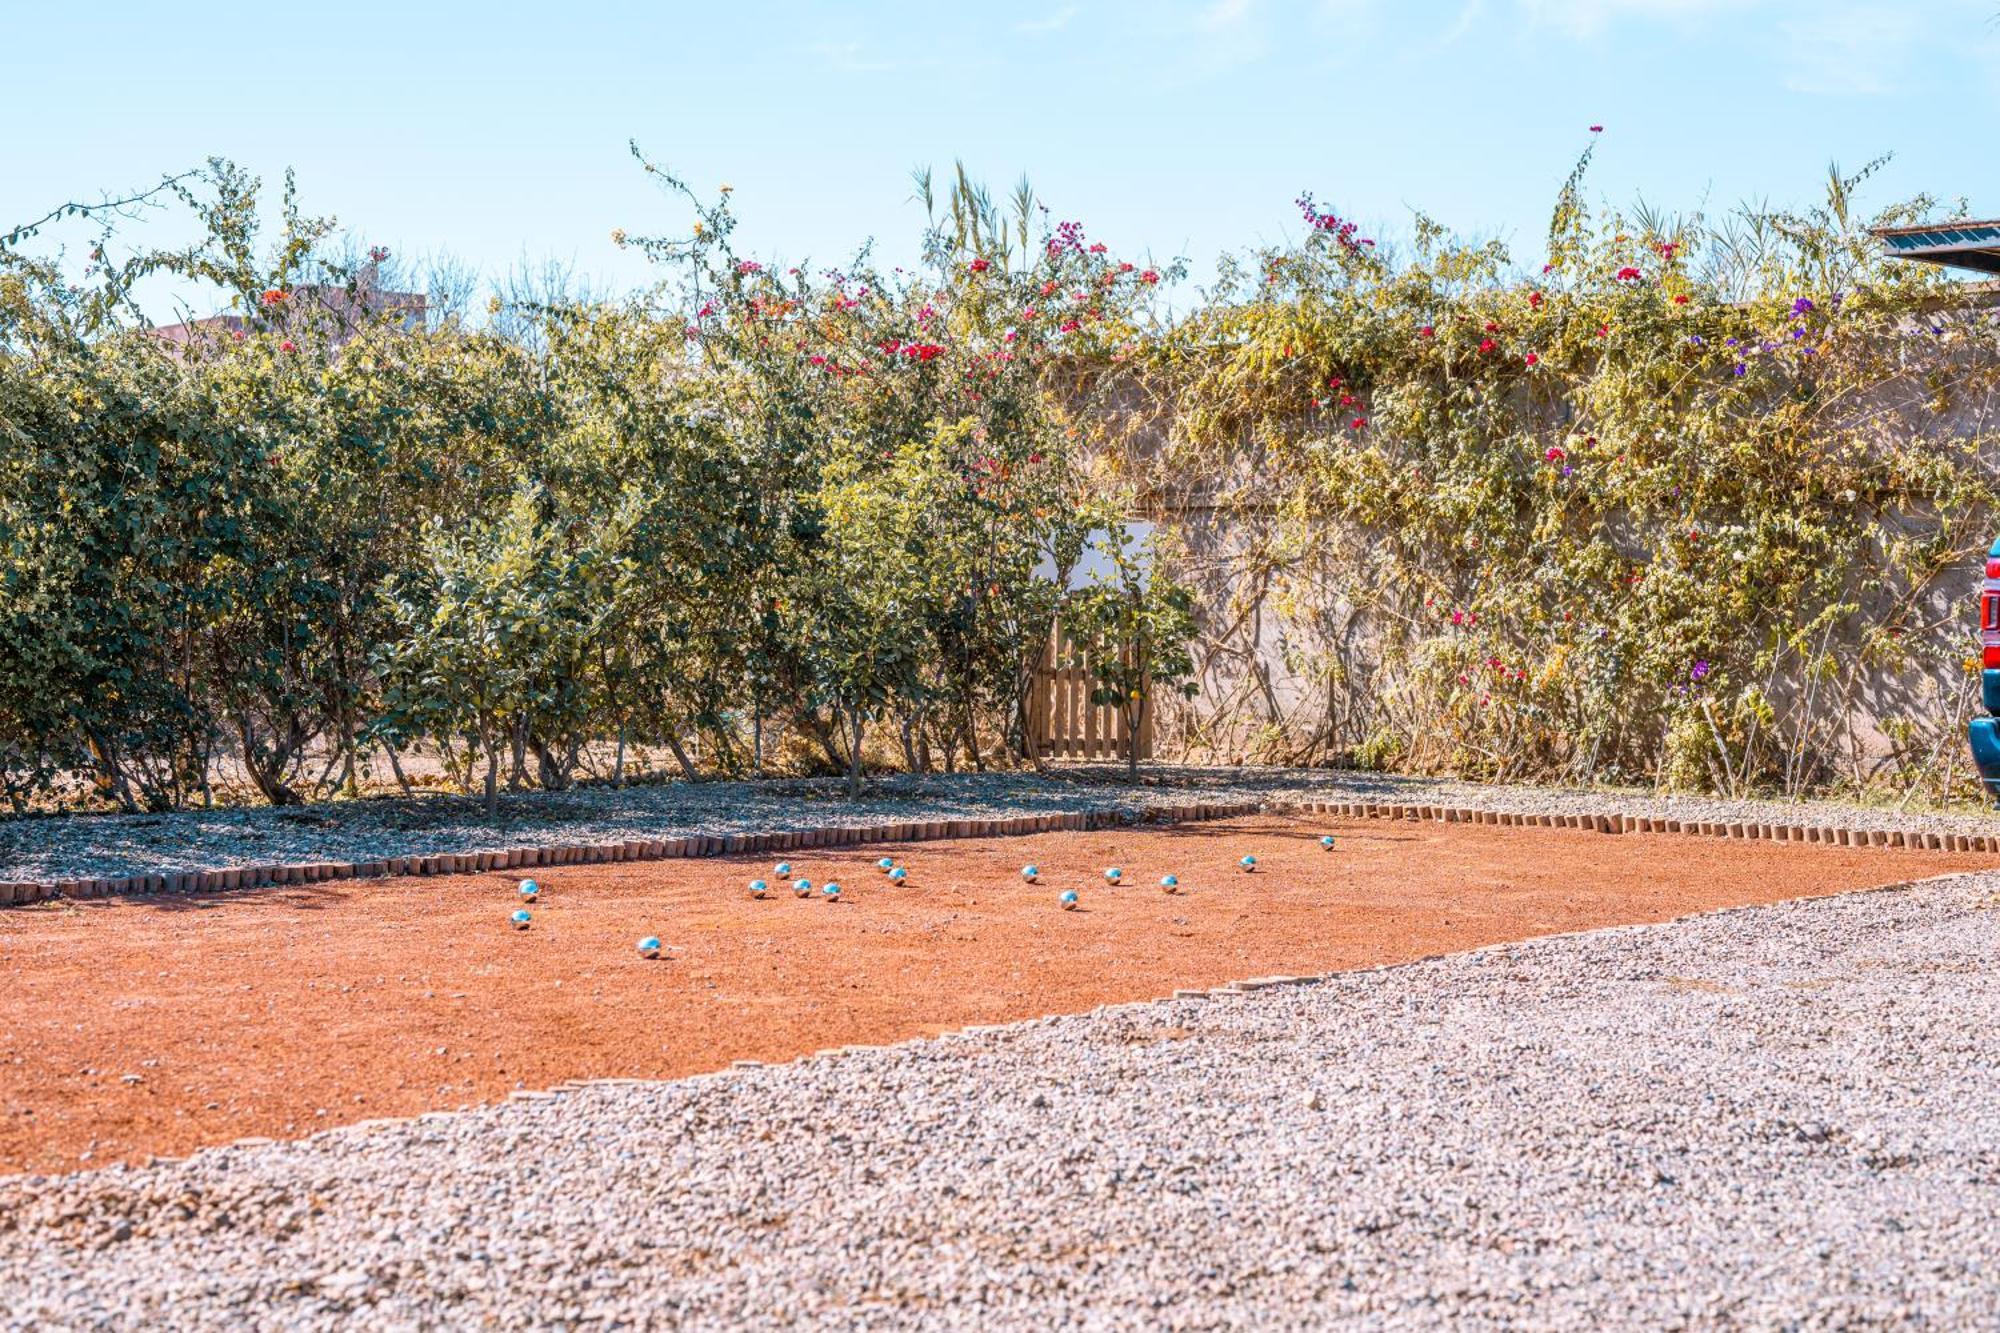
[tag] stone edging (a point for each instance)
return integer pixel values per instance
(523, 858)
(22, 892)
(1825, 835)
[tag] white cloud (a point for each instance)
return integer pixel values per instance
(852, 58)
(1587, 18)
(1223, 15)
(1851, 50)
(1055, 22)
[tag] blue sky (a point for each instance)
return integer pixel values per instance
(499, 131)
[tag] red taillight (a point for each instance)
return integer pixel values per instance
(1993, 568)
(1990, 655)
(1989, 610)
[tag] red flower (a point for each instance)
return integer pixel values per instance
(1067, 326)
(1492, 327)
(1486, 344)
(1533, 359)
(1357, 423)
(1347, 400)
(273, 296)
(288, 346)
(1597, 129)
(1681, 299)
(1426, 332)
(1098, 248)
(1628, 274)
(1124, 267)
(979, 265)
(1535, 300)
(1554, 454)
(1149, 276)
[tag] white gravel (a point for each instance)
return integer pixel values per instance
(1780, 1117)
(113, 846)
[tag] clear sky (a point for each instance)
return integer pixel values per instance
(499, 130)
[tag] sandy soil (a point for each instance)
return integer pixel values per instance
(157, 1026)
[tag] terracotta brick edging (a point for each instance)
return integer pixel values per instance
(1826, 835)
(20, 893)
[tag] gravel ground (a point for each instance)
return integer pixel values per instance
(1774, 1117)
(87, 846)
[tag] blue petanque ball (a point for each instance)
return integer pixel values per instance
(783, 870)
(1249, 863)
(1031, 873)
(802, 887)
(1068, 900)
(530, 890)
(1114, 874)
(758, 888)
(885, 865)
(831, 890)
(521, 919)
(1169, 883)
(649, 947)
(898, 875)
(1327, 842)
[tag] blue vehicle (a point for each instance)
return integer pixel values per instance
(1985, 731)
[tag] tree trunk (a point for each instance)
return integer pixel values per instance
(687, 765)
(854, 760)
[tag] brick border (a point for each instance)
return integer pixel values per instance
(21, 893)
(1826, 835)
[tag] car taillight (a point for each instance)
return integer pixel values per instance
(1989, 610)
(1990, 655)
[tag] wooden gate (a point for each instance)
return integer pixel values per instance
(1062, 721)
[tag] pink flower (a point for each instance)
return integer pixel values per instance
(1534, 360)
(288, 346)
(1486, 344)
(1149, 276)
(1099, 248)
(1554, 454)
(1597, 129)
(1426, 331)
(1067, 326)
(749, 266)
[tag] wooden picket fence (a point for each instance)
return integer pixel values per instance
(1062, 721)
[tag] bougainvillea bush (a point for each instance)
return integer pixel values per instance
(749, 497)
(1684, 504)
(1672, 502)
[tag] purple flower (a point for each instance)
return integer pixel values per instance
(1798, 333)
(1699, 670)
(1567, 469)
(1729, 342)
(1740, 367)
(1802, 306)
(1695, 338)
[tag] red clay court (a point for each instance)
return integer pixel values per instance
(157, 1026)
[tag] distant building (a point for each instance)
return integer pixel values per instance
(333, 314)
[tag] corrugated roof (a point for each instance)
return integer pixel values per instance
(1966, 244)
